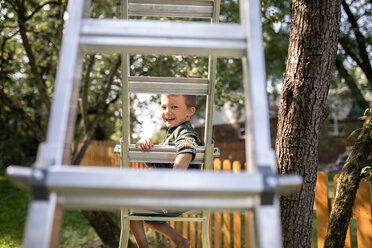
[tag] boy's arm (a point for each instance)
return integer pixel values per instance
(182, 161)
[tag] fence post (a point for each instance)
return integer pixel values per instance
(362, 211)
(321, 206)
(237, 217)
(217, 214)
(226, 215)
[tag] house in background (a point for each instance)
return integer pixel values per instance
(229, 131)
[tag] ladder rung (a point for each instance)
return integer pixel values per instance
(162, 154)
(165, 218)
(173, 8)
(158, 37)
(113, 188)
(161, 85)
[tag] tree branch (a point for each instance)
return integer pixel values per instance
(40, 84)
(101, 105)
(352, 85)
(366, 64)
(347, 186)
(32, 125)
(39, 8)
(84, 91)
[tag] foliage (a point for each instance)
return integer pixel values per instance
(355, 45)
(367, 172)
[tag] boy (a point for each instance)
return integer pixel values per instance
(177, 111)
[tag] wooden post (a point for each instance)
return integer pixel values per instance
(237, 217)
(226, 215)
(321, 205)
(192, 234)
(363, 216)
(217, 214)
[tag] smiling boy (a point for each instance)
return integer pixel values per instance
(176, 112)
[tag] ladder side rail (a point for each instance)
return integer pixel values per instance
(43, 224)
(44, 212)
(57, 148)
(125, 140)
(209, 114)
(259, 154)
(125, 73)
(258, 146)
(212, 71)
(208, 157)
(267, 217)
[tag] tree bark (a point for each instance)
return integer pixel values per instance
(103, 224)
(347, 186)
(302, 108)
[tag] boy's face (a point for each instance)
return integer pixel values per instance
(175, 110)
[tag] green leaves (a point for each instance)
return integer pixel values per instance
(367, 172)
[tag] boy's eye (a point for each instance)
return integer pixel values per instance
(174, 107)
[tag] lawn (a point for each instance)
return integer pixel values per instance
(76, 232)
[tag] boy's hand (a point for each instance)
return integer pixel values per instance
(145, 144)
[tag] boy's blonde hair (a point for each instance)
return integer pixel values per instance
(190, 100)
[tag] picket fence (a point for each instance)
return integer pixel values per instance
(231, 229)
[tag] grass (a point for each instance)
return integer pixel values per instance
(76, 231)
(13, 209)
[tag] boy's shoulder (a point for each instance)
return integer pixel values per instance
(184, 128)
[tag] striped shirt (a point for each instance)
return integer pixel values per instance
(185, 139)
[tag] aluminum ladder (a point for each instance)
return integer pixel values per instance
(57, 185)
(208, 10)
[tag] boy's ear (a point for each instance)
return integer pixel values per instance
(192, 111)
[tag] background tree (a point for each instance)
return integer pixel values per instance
(353, 61)
(348, 183)
(302, 108)
(30, 39)
(30, 42)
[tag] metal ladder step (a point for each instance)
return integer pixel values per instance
(158, 37)
(169, 85)
(162, 154)
(171, 8)
(112, 188)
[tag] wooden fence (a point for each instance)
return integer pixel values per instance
(361, 213)
(231, 229)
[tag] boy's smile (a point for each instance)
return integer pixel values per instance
(175, 110)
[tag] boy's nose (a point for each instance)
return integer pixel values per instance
(167, 110)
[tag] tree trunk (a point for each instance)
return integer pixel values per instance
(302, 108)
(104, 225)
(347, 187)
